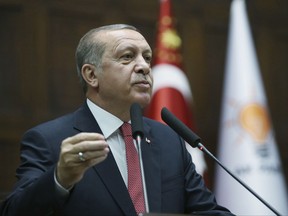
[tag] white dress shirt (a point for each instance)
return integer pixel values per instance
(109, 125)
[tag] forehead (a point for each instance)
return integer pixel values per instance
(124, 38)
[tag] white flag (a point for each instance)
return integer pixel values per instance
(247, 144)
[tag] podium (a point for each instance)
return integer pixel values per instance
(165, 214)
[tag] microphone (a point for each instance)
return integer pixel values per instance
(185, 132)
(137, 134)
(191, 138)
(136, 121)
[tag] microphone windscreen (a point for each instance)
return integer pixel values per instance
(186, 133)
(136, 120)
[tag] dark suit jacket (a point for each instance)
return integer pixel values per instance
(173, 186)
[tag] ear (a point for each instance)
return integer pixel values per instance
(89, 75)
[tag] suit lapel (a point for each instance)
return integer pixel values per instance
(85, 121)
(152, 170)
(115, 184)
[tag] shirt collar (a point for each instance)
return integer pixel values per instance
(107, 122)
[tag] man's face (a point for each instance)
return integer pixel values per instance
(126, 69)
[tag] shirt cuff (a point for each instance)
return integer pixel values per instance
(63, 192)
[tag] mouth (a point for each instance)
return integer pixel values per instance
(143, 83)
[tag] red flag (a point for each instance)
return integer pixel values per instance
(171, 86)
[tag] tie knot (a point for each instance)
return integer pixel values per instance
(126, 129)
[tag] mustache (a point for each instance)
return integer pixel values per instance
(143, 79)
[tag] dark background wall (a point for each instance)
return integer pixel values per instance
(38, 78)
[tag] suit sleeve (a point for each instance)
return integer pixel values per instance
(34, 193)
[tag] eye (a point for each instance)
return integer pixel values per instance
(148, 58)
(127, 56)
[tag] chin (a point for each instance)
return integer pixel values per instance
(143, 102)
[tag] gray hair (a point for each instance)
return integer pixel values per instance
(90, 49)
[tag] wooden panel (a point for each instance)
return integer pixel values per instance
(64, 31)
(10, 62)
(12, 109)
(38, 78)
(9, 155)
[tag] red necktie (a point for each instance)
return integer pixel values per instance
(135, 186)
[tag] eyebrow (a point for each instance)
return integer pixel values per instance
(120, 48)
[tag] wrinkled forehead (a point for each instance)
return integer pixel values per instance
(116, 39)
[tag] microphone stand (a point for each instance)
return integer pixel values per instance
(138, 144)
(137, 133)
(195, 141)
(202, 148)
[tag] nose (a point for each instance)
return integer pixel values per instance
(142, 66)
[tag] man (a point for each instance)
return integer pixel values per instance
(76, 164)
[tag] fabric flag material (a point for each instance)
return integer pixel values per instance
(171, 86)
(246, 143)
